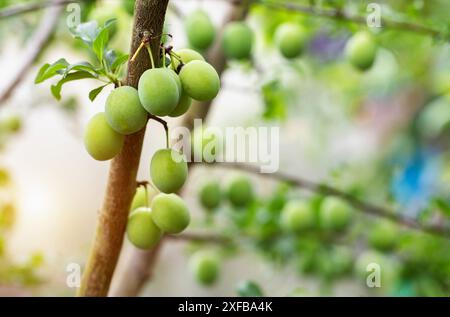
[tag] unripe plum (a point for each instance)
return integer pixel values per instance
(186, 55)
(200, 80)
(210, 195)
(383, 236)
(124, 111)
(361, 50)
(205, 266)
(335, 214)
(237, 40)
(170, 213)
(143, 197)
(200, 30)
(240, 191)
(177, 80)
(100, 140)
(142, 232)
(158, 91)
(183, 105)
(296, 216)
(168, 170)
(290, 39)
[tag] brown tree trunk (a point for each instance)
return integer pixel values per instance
(139, 265)
(149, 16)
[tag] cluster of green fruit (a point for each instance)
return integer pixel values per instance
(237, 37)
(298, 215)
(239, 193)
(161, 92)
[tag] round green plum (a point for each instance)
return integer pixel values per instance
(210, 195)
(200, 30)
(170, 213)
(183, 105)
(237, 40)
(124, 111)
(142, 232)
(290, 38)
(205, 266)
(186, 55)
(296, 216)
(100, 140)
(200, 80)
(143, 197)
(240, 191)
(383, 236)
(361, 50)
(168, 170)
(158, 91)
(335, 214)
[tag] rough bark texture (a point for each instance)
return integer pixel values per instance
(149, 16)
(139, 265)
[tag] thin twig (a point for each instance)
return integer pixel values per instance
(359, 204)
(33, 6)
(200, 237)
(39, 41)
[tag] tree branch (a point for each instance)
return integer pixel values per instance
(127, 284)
(33, 6)
(352, 200)
(40, 40)
(149, 16)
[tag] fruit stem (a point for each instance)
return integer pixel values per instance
(151, 55)
(137, 51)
(164, 124)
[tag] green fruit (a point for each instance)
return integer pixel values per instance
(290, 39)
(170, 213)
(200, 80)
(297, 216)
(143, 197)
(158, 91)
(177, 80)
(101, 141)
(141, 230)
(383, 236)
(11, 124)
(335, 214)
(168, 170)
(240, 191)
(183, 105)
(205, 266)
(200, 30)
(124, 111)
(361, 50)
(210, 195)
(186, 55)
(206, 144)
(237, 40)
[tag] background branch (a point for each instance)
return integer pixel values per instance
(33, 6)
(36, 45)
(357, 203)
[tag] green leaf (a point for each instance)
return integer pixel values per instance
(274, 101)
(94, 92)
(49, 70)
(56, 89)
(122, 59)
(99, 44)
(81, 66)
(87, 32)
(249, 289)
